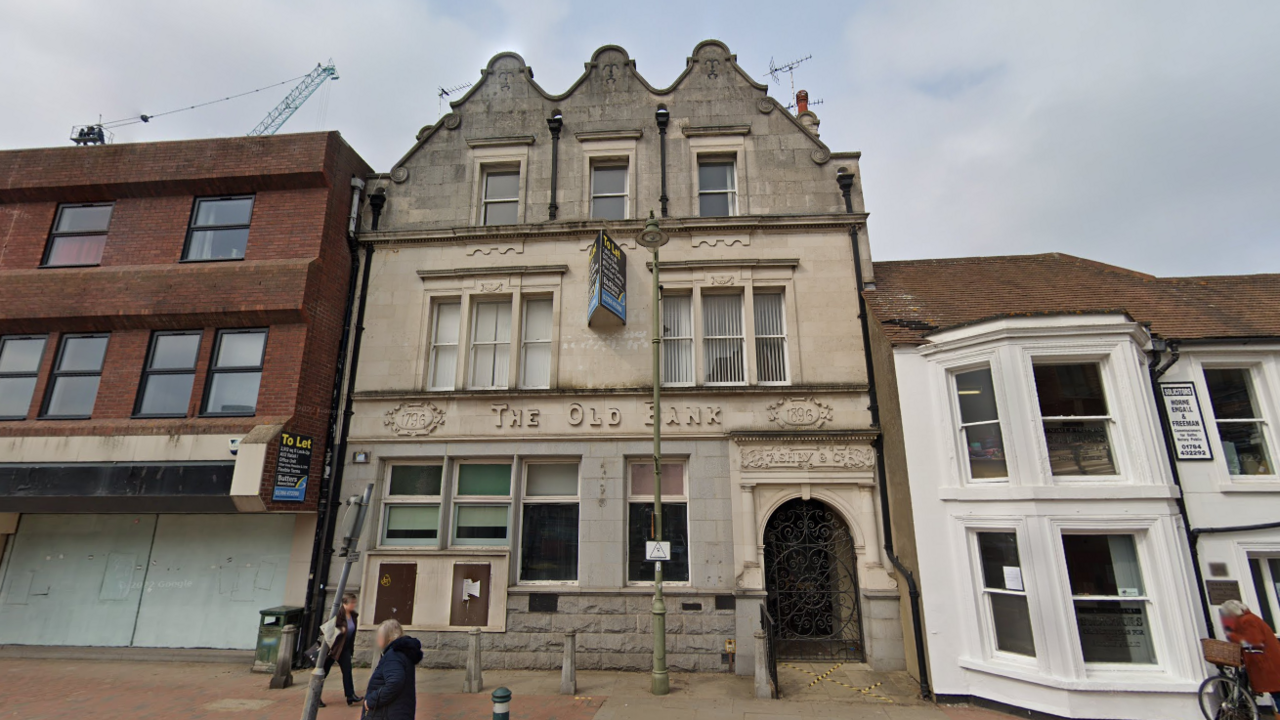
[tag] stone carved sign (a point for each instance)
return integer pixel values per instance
(800, 412)
(413, 419)
(807, 458)
(590, 416)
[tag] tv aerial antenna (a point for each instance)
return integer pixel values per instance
(790, 70)
(447, 92)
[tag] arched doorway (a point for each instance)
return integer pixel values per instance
(811, 577)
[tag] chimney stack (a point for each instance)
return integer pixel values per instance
(804, 114)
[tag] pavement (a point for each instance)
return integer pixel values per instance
(45, 689)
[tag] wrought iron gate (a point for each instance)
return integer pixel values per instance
(812, 581)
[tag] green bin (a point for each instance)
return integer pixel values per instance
(269, 631)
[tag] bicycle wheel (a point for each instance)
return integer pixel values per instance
(1222, 699)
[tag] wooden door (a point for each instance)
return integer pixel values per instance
(396, 583)
(468, 604)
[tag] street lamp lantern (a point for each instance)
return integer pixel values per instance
(653, 238)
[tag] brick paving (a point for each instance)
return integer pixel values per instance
(42, 689)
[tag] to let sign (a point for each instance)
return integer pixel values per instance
(293, 465)
(1190, 439)
(606, 282)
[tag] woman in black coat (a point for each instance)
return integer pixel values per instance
(392, 693)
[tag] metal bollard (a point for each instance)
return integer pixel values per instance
(283, 676)
(501, 704)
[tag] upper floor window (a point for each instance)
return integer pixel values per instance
(980, 424)
(236, 372)
(717, 188)
(444, 346)
(771, 338)
(219, 229)
(677, 339)
(1239, 419)
(73, 389)
(1110, 599)
(1077, 423)
(490, 344)
(722, 339)
(20, 357)
(79, 234)
(535, 345)
(609, 192)
(1006, 592)
(501, 197)
(170, 371)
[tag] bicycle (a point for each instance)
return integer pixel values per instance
(1227, 695)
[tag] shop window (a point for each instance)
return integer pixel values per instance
(677, 339)
(482, 504)
(490, 344)
(1076, 421)
(79, 235)
(1109, 598)
(549, 525)
(1239, 419)
(1006, 592)
(73, 389)
(444, 346)
(717, 188)
(20, 357)
(722, 339)
(771, 338)
(501, 197)
(165, 390)
(219, 229)
(641, 525)
(609, 192)
(980, 424)
(236, 372)
(412, 506)
(535, 344)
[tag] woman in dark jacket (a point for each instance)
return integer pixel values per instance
(392, 693)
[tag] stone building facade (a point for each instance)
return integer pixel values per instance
(509, 438)
(170, 313)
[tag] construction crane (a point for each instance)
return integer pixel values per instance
(287, 107)
(100, 133)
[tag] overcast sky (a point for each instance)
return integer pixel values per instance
(1143, 134)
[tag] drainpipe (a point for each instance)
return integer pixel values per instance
(331, 500)
(1157, 370)
(554, 124)
(663, 116)
(845, 180)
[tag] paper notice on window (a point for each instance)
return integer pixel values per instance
(1012, 577)
(470, 589)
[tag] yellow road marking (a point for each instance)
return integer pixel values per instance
(825, 676)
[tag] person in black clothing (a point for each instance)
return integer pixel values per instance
(392, 694)
(341, 632)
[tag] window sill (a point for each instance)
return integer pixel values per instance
(1250, 484)
(78, 265)
(210, 260)
(226, 415)
(1006, 492)
(65, 417)
(1152, 679)
(173, 416)
(436, 552)
(14, 418)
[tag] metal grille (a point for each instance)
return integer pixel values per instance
(812, 582)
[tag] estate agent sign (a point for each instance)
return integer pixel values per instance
(606, 282)
(293, 465)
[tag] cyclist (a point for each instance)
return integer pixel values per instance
(1252, 632)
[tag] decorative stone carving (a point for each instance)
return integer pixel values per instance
(415, 418)
(399, 174)
(741, 240)
(451, 121)
(800, 412)
(765, 105)
(809, 458)
(497, 248)
(820, 155)
(721, 279)
(713, 67)
(490, 287)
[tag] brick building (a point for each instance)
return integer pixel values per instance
(170, 313)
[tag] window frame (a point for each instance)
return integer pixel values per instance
(1109, 421)
(192, 228)
(717, 158)
(961, 436)
(54, 235)
(741, 295)
(633, 499)
(526, 499)
(25, 374)
(610, 163)
(525, 342)
(756, 336)
(389, 501)
(1258, 406)
(147, 372)
(691, 339)
(436, 342)
(987, 610)
(473, 315)
(213, 370)
(457, 500)
(55, 374)
(1149, 610)
(489, 169)
(1268, 596)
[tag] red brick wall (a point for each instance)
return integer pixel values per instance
(294, 279)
